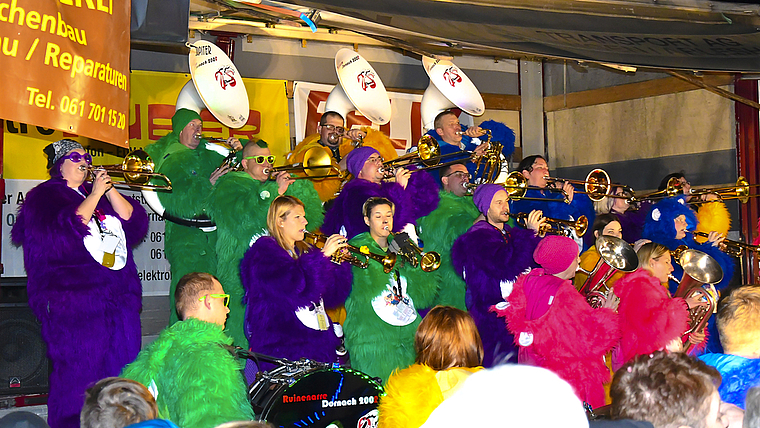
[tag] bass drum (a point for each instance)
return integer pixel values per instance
(316, 397)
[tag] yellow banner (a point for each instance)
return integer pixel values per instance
(153, 95)
(67, 65)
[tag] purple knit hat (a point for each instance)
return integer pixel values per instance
(555, 253)
(357, 157)
(484, 195)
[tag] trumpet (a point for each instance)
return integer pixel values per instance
(405, 246)
(318, 240)
(136, 169)
(555, 226)
(732, 248)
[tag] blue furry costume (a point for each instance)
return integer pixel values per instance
(419, 198)
(276, 285)
(238, 205)
(90, 314)
(438, 231)
(739, 375)
(188, 249)
(198, 382)
(376, 347)
(485, 258)
(660, 228)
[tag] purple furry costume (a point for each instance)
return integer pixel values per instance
(90, 314)
(419, 199)
(276, 285)
(485, 257)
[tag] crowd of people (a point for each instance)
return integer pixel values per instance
(338, 271)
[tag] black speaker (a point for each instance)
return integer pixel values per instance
(24, 366)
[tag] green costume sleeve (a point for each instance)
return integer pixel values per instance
(304, 191)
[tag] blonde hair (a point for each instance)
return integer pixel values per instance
(447, 337)
(604, 205)
(279, 210)
(738, 320)
(649, 251)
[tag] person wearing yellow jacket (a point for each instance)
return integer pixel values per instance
(448, 351)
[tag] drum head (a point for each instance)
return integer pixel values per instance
(320, 398)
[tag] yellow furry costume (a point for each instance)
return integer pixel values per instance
(413, 393)
(329, 187)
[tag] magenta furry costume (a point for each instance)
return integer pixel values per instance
(485, 258)
(90, 314)
(276, 285)
(570, 338)
(649, 317)
(419, 199)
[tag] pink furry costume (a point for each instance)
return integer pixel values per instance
(555, 327)
(276, 285)
(90, 314)
(649, 317)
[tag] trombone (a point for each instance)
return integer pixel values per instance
(516, 186)
(137, 169)
(738, 191)
(318, 240)
(596, 185)
(555, 226)
(317, 165)
(732, 248)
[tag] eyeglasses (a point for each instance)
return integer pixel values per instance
(460, 174)
(77, 157)
(226, 298)
(331, 128)
(260, 159)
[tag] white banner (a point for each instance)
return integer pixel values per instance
(150, 258)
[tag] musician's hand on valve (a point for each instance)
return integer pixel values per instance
(355, 134)
(402, 176)
(101, 183)
(535, 221)
(715, 238)
(283, 180)
(333, 244)
(224, 169)
(480, 150)
(612, 301)
(474, 132)
(695, 338)
(569, 190)
(234, 143)
(695, 300)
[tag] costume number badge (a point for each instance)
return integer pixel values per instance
(393, 305)
(314, 316)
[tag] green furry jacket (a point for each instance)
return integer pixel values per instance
(198, 382)
(438, 231)
(376, 347)
(238, 205)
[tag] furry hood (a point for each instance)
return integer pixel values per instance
(659, 221)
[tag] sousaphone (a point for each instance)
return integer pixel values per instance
(359, 89)
(449, 87)
(217, 86)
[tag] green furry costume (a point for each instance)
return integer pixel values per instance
(238, 205)
(438, 231)
(188, 249)
(199, 383)
(376, 347)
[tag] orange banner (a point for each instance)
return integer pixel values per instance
(66, 66)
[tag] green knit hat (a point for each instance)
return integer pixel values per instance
(181, 118)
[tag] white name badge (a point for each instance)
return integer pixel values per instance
(314, 318)
(110, 247)
(395, 308)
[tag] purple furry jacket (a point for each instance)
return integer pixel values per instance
(276, 285)
(63, 279)
(419, 199)
(485, 258)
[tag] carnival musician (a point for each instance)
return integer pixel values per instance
(288, 286)
(489, 257)
(238, 204)
(333, 137)
(193, 169)
(82, 282)
(438, 230)
(631, 217)
(604, 225)
(555, 327)
(535, 169)
(650, 319)
(381, 311)
(413, 194)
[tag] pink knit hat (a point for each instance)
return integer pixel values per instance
(555, 253)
